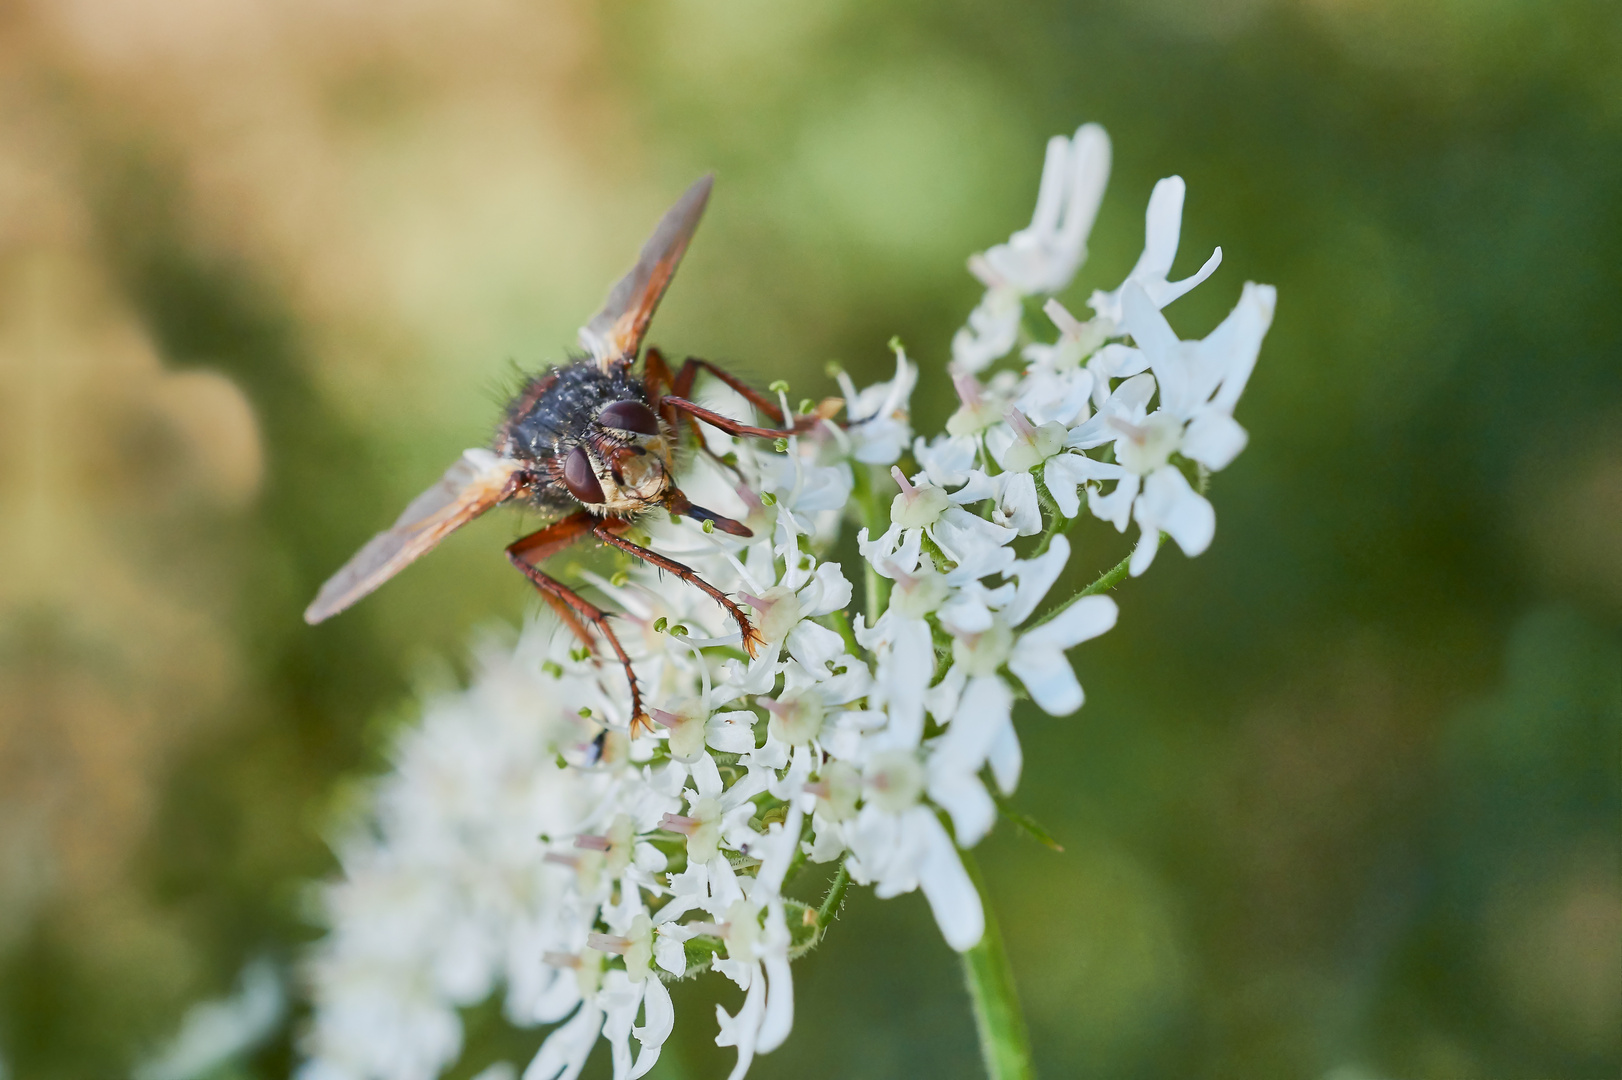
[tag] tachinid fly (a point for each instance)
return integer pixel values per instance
(588, 441)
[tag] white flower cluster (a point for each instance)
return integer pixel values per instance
(530, 839)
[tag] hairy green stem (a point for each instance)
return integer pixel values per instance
(1004, 1044)
(831, 902)
(1103, 583)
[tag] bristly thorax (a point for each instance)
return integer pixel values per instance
(556, 411)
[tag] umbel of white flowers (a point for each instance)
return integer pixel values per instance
(502, 853)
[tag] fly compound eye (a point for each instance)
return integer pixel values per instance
(630, 416)
(579, 478)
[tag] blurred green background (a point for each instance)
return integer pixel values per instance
(1345, 797)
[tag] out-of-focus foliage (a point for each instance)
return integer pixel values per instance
(1344, 797)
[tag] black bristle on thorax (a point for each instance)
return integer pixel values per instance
(553, 412)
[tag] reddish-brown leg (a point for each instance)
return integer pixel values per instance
(735, 427)
(659, 381)
(682, 386)
(608, 531)
(526, 552)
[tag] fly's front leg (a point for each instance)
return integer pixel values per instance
(682, 387)
(609, 530)
(526, 553)
(681, 390)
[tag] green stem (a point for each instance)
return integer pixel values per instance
(1104, 583)
(831, 902)
(1004, 1044)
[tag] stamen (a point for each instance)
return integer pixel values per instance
(968, 389)
(1067, 323)
(562, 858)
(822, 789)
(712, 929)
(594, 843)
(901, 479)
(608, 943)
(561, 960)
(981, 269)
(756, 602)
(664, 719)
(1139, 435)
(1022, 427)
(680, 824)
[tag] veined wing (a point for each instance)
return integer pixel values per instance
(614, 335)
(478, 481)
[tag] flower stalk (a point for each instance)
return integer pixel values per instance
(1005, 1045)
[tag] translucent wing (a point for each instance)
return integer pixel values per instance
(478, 481)
(615, 333)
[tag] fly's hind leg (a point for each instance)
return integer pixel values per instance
(527, 552)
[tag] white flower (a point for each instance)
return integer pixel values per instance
(1199, 383)
(974, 544)
(878, 416)
(1057, 386)
(1162, 229)
(1045, 255)
(993, 325)
(897, 845)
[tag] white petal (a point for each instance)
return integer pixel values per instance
(1163, 226)
(564, 1053)
(1036, 576)
(1050, 193)
(982, 711)
(706, 777)
(658, 1021)
(814, 645)
(1164, 292)
(1213, 439)
(1170, 504)
(1144, 552)
(1089, 162)
(946, 885)
(730, 732)
(1249, 322)
(671, 955)
(1085, 618)
(1116, 507)
(1049, 678)
(1061, 486)
(827, 591)
(778, 1020)
(1148, 327)
(742, 1030)
(964, 797)
(1006, 760)
(1020, 509)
